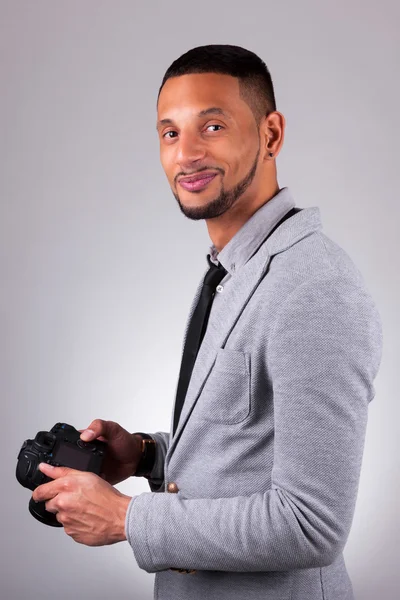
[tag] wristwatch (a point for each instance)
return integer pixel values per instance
(148, 458)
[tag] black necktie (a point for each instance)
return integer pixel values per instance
(196, 331)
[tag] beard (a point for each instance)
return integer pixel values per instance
(223, 202)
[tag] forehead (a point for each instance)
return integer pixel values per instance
(189, 96)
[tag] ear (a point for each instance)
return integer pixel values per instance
(272, 130)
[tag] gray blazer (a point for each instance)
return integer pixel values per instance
(254, 495)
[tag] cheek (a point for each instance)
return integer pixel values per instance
(237, 163)
(244, 162)
(166, 164)
(237, 167)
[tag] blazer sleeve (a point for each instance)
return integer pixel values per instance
(323, 355)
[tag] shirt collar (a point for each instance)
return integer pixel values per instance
(251, 235)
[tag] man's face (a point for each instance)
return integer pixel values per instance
(207, 130)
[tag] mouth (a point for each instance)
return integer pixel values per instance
(196, 182)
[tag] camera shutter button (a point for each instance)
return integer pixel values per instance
(86, 445)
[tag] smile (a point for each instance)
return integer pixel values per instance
(197, 184)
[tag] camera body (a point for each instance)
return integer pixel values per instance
(61, 446)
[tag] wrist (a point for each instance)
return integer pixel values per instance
(121, 509)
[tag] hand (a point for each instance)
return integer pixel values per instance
(91, 511)
(124, 449)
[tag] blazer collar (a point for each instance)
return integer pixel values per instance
(299, 226)
(243, 245)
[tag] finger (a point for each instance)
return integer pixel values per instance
(46, 491)
(55, 472)
(100, 437)
(100, 429)
(51, 507)
(96, 428)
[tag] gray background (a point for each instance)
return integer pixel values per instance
(98, 266)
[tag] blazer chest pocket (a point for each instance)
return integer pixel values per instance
(225, 397)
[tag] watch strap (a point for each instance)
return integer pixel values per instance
(148, 457)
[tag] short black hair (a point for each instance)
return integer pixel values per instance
(255, 83)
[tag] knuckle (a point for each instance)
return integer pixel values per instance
(66, 484)
(62, 502)
(97, 425)
(91, 477)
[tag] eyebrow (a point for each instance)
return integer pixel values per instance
(213, 110)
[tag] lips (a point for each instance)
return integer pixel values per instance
(197, 182)
(197, 176)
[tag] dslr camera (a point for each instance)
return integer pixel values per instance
(61, 447)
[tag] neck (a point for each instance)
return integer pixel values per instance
(222, 229)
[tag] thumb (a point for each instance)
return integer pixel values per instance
(97, 428)
(87, 434)
(54, 472)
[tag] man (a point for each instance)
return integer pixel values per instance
(253, 490)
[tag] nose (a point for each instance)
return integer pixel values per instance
(190, 150)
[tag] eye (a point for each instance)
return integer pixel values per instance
(170, 137)
(167, 132)
(215, 125)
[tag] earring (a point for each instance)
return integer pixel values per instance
(271, 154)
